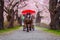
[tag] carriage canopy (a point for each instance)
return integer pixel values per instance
(24, 12)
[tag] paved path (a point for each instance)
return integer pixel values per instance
(32, 35)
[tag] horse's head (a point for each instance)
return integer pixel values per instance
(28, 19)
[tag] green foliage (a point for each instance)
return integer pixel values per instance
(9, 30)
(54, 32)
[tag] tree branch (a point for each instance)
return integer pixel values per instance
(14, 5)
(6, 8)
(15, 11)
(11, 2)
(6, 11)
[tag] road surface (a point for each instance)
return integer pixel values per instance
(32, 35)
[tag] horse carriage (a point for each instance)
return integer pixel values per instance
(28, 22)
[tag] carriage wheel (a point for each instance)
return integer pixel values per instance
(30, 27)
(23, 27)
(33, 27)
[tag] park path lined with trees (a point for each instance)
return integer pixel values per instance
(32, 35)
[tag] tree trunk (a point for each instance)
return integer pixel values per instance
(38, 19)
(52, 7)
(57, 17)
(11, 23)
(1, 14)
(18, 18)
(11, 19)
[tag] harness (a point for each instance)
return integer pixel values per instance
(28, 19)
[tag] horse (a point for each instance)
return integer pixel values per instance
(28, 21)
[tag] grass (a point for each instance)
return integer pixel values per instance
(8, 30)
(55, 32)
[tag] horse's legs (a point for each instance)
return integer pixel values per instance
(27, 27)
(30, 27)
